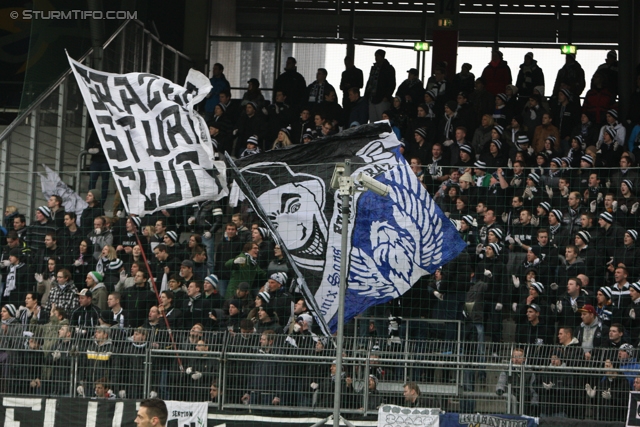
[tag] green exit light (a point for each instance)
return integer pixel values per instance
(568, 49)
(421, 46)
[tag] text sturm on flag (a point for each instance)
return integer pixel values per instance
(157, 146)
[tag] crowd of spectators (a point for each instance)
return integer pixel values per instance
(541, 189)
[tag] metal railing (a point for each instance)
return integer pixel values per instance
(296, 373)
(54, 129)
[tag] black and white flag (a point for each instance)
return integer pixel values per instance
(158, 147)
(393, 240)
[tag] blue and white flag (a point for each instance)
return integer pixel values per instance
(393, 240)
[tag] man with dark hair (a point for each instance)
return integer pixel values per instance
(196, 309)
(569, 304)
(380, 86)
(412, 396)
(319, 88)
(57, 211)
(352, 77)
(51, 250)
(218, 83)
(63, 294)
(20, 226)
(137, 300)
(71, 235)
(85, 316)
(152, 413)
(292, 83)
(169, 311)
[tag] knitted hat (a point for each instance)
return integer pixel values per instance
(557, 161)
(534, 177)
(11, 309)
(375, 379)
(432, 94)
(497, 143)
(633, 233)
(580, 140)
(522, 139)
(286, 131)
(502, 96)
(499, 129)
(116, 264)
(606, 291)
(96, 276)
(172, 235)
(468, 219)
(557, 214)
(466, 148)
(628, 348)
(552, 139)
(97, 195)
(480, 165)
(422, 132)
(611, 131)
(497, 232)
(546, 206)
(629, 183)
(452, 105)
(263, 232)
(213, 279)
(279, 277)
(252, 140)
(45, 211)
(496, 248)
(567, 160)
(613, 113)
(253, 104)
(607, 217)
(636, 286)
(264, 296)
(587, 158)
(306, 317)
(307, 133)
(536, 250)
(137, 221)
(236, 303)
(566, 93)
(584, 235)
(539, 287)
(222, 106)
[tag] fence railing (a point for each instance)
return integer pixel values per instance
(53, 131)
(296, 373)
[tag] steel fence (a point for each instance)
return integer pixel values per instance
(53, 131)
(296, 373)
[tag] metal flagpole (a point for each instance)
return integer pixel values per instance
(346, 189)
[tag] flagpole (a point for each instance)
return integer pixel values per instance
(346, 189)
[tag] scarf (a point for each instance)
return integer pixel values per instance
(554, 228)
(253, 260)
(101, 265)
(448, 126)
(10, 284)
